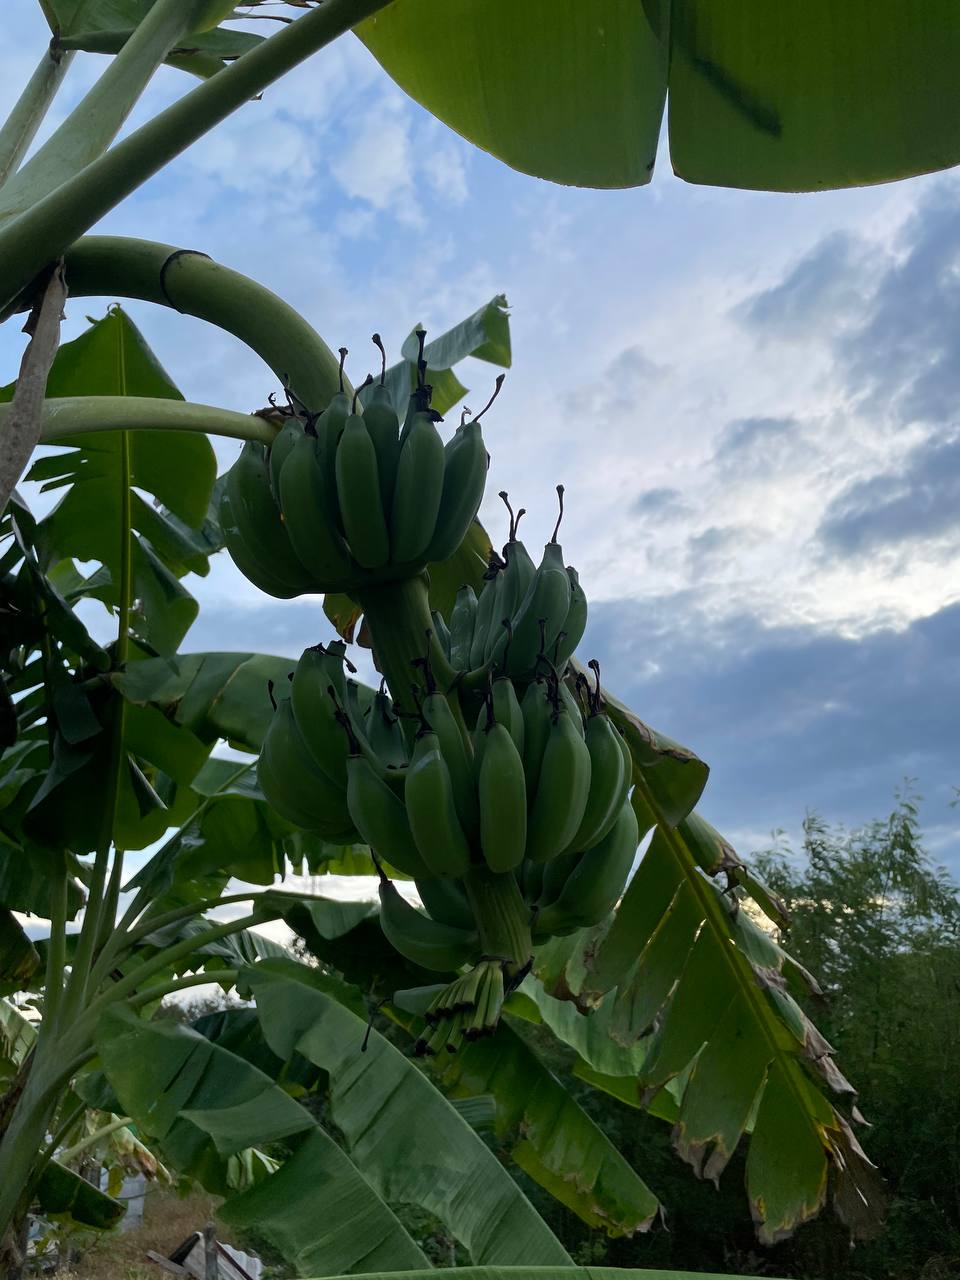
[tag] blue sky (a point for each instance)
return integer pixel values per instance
(749, 397)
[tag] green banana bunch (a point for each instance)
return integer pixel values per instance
(345, 499)
(526, 614)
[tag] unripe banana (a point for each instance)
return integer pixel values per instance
(446, 902)
(358, 494)
(385, 735)
(310, 519)
(441, 631)
(315, 711)
(556, 872)
(419, 939)
(517, 578)
(562, 791)
(540, 617)
(537, 713)
(432, 813)
(292, 782)
(436, 711)
(384, 428)
(416, 496)
(597, 881)
(462, 623)
(503, 801)
(507, 711)
(575, 622)
(575, 710)
(256, 517)
(464, 478)
(329, 427)
(608, 789)
(280, 450)
(380, 817)
(246, 560)
(485, 608)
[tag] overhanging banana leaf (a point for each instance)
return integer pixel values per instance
(205, 1104)
(549, 1135)
(705, 992)
(793, 96)
(401, 1132)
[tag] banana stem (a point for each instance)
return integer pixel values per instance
(398, 615)
(77, 415)
(31, 107)
(502, 916)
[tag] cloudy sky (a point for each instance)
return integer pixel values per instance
(749, 397)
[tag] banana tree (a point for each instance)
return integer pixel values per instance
(110, 747)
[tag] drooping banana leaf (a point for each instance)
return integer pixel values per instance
(794, 96)
(400, 1130)
(706, 994)
(548, 1134)
(204, 1104)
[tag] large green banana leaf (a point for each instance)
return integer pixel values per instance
(401, 1132)
(706, 999)
(204, 1104)
(795, 95)
(548, 1134)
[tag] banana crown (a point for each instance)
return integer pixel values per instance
(348, 497)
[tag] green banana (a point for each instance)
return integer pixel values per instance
(569, 700)
(419, 939)
(575, 622)
(257, 519)
(432, 813)
(246, 560)
(441, 631)
(485, 607)
(310, 520)
(540, 617)
(562, 790)
(503, 800)
(530, 879)
(315, 710)
(358, 495)
(380, 817)
(384, 428)
(384, 733)
(280, 450)
(292, 782)
(437, 712)
(537, 714)
(462, 623)
(464, 478)
(608, 790)
(446, 902)
(416, 495)
(329, 427)
(597, 881)
(556, 872)
(506, 709)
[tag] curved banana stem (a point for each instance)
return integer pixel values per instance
(190, 282)
(43, 232)
(78, 415)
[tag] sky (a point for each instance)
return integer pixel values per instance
(750, 398)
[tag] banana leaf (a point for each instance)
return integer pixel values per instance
(400, 1131)
(794, 96)
(204, 1104)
